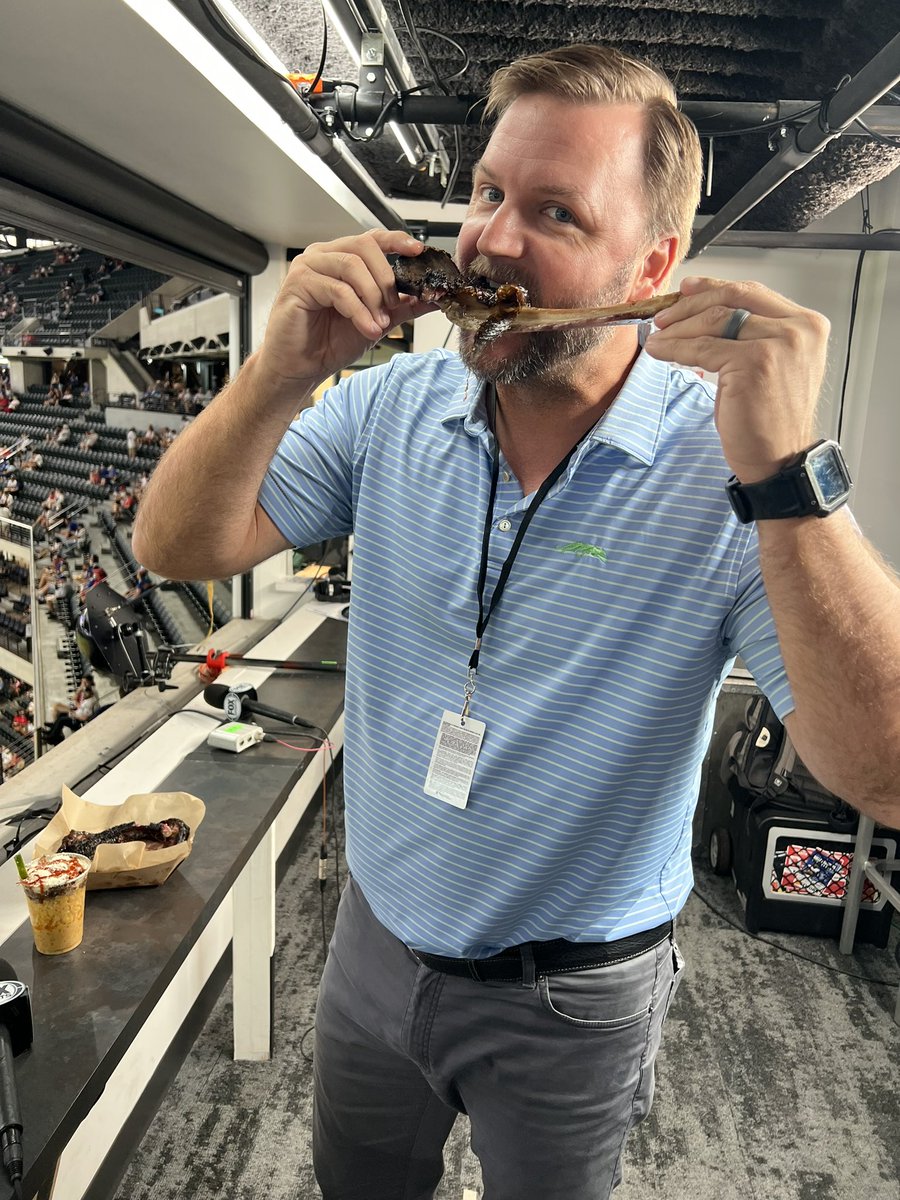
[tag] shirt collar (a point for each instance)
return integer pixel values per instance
(633, 422)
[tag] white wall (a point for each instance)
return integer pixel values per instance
(872, 426)
(24, 371)
(117, 382)
(263, 290)
(208, 318)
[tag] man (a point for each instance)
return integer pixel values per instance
(142, 583)
(504, 947)
(80, 714)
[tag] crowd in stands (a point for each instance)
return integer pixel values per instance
(9, 401)
(77, 274)
(56, 471)
(72, 713)
(173, 395)
(16, 723)
(67, 389)
(15, 607)
(9, 299)
(67, 567)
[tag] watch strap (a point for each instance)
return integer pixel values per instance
(780, 496)
(793, 492)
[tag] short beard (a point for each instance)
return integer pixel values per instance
(549, 357)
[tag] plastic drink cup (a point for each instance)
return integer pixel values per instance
(54, 888)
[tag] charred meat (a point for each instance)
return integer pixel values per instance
(491, 310)
(434, 277)
(158, 835)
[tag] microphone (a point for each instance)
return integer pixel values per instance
(16, 1036)
(240, 698)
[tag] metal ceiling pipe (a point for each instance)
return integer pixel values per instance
(802, 145)
(775, 239)
(766, 239)
(714, 116)
(711, 116)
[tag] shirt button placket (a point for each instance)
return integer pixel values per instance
(504, 524)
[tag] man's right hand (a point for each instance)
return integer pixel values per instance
(338, 298)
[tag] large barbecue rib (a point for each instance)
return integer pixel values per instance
(157, 835)
(491, 310)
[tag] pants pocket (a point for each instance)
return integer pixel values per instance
(612, 997)
(677, 973)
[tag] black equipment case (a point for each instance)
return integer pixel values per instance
(785, 839)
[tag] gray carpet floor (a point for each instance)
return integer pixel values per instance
(778, 1076)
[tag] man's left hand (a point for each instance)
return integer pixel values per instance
(769, 376)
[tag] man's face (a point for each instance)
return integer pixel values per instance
(557, 206)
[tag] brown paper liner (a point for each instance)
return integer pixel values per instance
(130, 864)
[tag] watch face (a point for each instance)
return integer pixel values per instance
(828, 475)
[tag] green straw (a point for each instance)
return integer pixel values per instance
(20, 866)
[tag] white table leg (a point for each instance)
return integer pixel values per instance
(253, 944)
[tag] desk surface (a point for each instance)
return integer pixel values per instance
(89, 1004)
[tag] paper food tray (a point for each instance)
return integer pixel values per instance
(130, 864)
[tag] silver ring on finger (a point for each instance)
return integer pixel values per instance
(735, 324)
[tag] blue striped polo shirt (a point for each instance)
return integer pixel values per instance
(633, 590)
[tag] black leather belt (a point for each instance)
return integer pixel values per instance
(520, 964)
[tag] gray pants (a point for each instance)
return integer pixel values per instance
(552, 1077)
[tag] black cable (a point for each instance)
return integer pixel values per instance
(17, 840)
(219, 22)
(318, 74)
(306, 1034)
(291, 610)
(420, 49)
(107, 766)
(439, 83)
(854, 300)
(866, 217)
(784, 949)
(454, 174)
(824, 123)
(826, 126)
(383, 116)
(334, 820)
(879, 137)
(767, 125)
(456, 46)
(345, 128)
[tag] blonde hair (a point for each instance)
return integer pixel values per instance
(586, 74)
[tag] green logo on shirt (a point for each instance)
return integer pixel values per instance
(583, 550)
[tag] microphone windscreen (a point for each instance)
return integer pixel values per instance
(6, 971)
(214, 694)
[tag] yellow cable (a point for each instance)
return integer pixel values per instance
(209, 597)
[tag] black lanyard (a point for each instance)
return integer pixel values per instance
(539, 497)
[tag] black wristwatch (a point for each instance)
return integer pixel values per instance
(814, 485)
